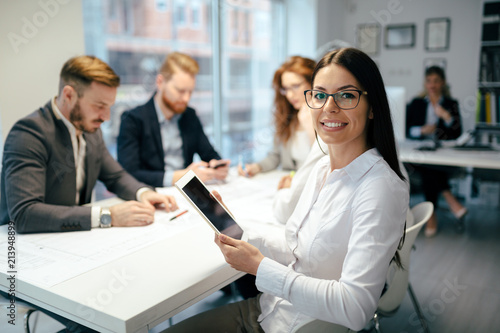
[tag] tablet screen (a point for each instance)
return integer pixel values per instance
(211, 208)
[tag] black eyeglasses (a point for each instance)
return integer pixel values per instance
(345, 100)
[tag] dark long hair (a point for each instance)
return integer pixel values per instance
(380, 130)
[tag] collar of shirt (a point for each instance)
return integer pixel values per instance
(361, 164)
(428, 100)
(59, 115)
(356, 169)
(71, 129)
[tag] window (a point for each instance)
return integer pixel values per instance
(180, 12)
(233, 95)
(161, 5)
(234, 26)
(195, 14)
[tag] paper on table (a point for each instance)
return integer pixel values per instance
(51, 258)
(249, 200)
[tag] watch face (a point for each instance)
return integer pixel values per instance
(106, 220)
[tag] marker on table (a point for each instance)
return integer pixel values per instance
(292, 173)
(176, 216)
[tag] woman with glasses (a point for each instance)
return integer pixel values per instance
(331, 262)
(294, 134)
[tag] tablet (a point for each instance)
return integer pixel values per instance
(210, 209)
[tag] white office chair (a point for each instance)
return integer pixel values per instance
(398, 282)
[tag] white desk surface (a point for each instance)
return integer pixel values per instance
(448, 156)
(142, 289)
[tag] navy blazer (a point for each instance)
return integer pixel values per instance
(416, 114)
(140, 149)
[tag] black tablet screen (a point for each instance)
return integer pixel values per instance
(214, 212)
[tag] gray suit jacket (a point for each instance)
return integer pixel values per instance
(38, 184)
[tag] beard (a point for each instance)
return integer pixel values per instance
(78, 120)
(175, 107)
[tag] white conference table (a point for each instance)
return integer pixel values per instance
(448, 156)
(138, 291)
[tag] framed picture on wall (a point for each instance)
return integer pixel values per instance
(437, 34)
(400, 36)
(368, 38)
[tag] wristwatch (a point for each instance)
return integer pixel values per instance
(105, 219)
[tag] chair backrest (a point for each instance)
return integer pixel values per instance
(410, 219)
(398, 278)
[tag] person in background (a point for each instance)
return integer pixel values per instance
(54, 156)
(331, 261)
(158, 140)
(294, 133)
(435, 115)
(293, 140)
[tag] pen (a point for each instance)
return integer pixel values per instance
(240, 162)
(292, 173)
(176, 216)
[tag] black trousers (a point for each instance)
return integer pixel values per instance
(434, 179)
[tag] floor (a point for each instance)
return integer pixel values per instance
(454, 275)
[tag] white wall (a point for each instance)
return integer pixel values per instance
(330, 22)
(404, 67)
(37, 37)
(301, 28)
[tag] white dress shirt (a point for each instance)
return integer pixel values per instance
(79, 150)
(331, 264)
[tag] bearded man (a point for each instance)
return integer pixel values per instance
(53, 157)
(158, 140)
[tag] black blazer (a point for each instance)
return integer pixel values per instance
(416, 114)
(140, 149)
(38, 185)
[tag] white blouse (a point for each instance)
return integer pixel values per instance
(332, 262)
